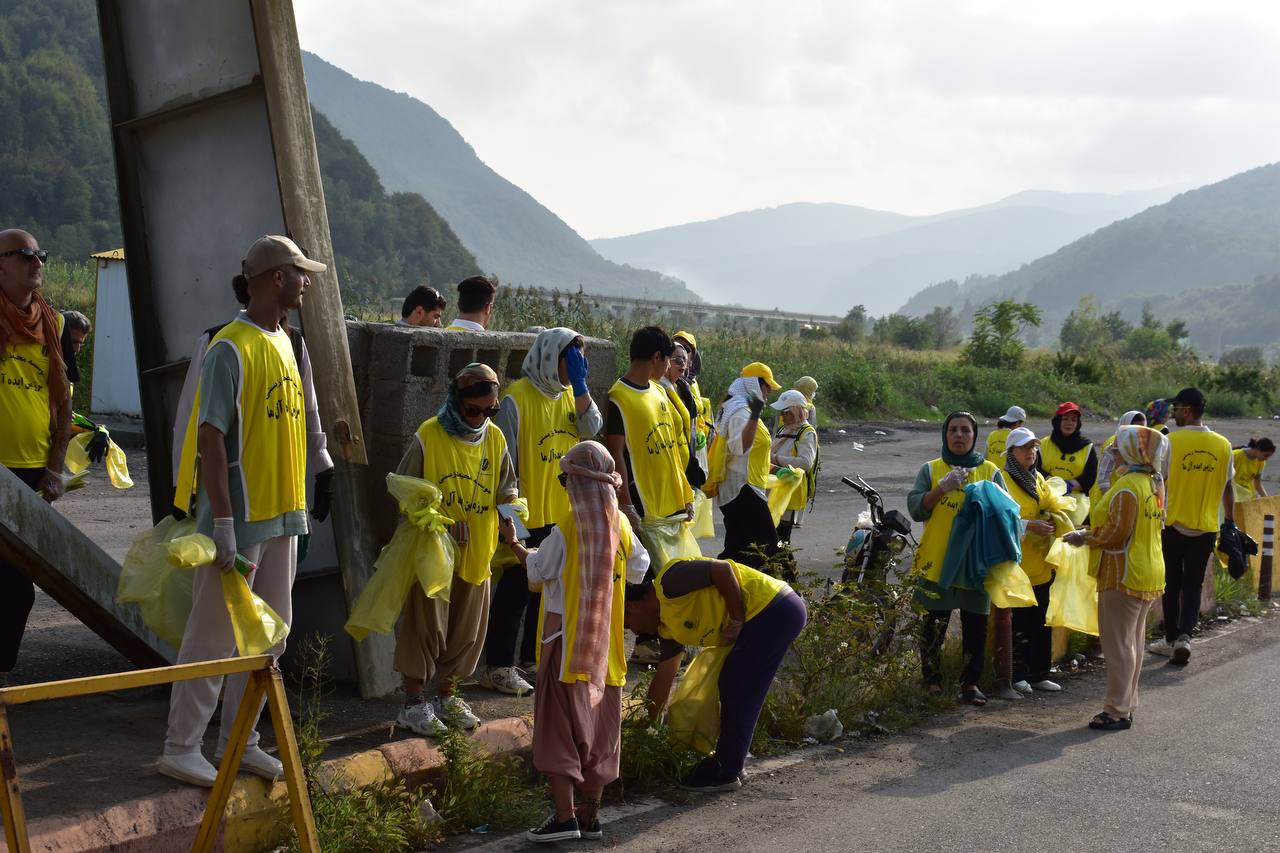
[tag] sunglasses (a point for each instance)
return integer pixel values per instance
(564, 479)
(27, 254)
(472, 411)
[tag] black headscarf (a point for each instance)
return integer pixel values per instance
(974, 457)
(1073, 443)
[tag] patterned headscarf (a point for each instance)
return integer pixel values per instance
(542, 362)
(1144, 450)
(474, 380)
(1158, 412)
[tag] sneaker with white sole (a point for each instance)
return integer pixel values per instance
(455, 712)
(504, 679)
(420, 718)
(554, 830)
(1022, 686)
(191, 768)
(1046, 686)
(1182, 649)
(259, 763)
(1161, 647)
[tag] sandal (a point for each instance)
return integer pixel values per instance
(1107, 723)
(973, 696)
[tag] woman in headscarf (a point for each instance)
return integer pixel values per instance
(583, 566)
(1041, 523)
(542, 415)
(1109, 458)
(749, 534)
(808, 386)
(1126, 530)
(686, 409)
(1067, 453)
(466, 456)
(795, 446)
(1158, 413)
(1007, 423)
(936, 498)
(692, 370)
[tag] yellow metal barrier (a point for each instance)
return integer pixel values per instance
(264, 678)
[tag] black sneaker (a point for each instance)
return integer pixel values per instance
(554, 830)
(592, 831)
(708, 778)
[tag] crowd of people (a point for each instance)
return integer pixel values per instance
(562, 543)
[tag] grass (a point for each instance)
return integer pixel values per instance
(1236, 598)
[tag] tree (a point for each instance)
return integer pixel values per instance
(944, 326)
(997, 333)
(901, 330)
(854, 325)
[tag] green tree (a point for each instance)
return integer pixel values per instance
(997, 333)
(854, 325)
(903, 331)
(944, 326)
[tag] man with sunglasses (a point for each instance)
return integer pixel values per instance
(35, 409)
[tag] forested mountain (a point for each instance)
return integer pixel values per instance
(829, 257)
(415, 149)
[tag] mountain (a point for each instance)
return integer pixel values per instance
(1221, 234)
(844, 255)
(415, 149)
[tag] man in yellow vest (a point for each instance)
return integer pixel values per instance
(245, 463)
(35, 409)
(475, 305)
(1200, 472)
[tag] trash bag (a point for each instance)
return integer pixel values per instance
(694, 715)
(117, 464)
(704, 526)
(782, 488)
(824, 727)
(667, 540)
(161, 590)
(420, 551)
(1073, 598)
(716, 461)
(1009, 586)
(254, 624)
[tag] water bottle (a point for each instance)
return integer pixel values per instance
(243, 566)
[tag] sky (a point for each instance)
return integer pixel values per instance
(622, 116)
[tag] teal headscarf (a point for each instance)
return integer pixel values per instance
(974, 457)
(474, 380)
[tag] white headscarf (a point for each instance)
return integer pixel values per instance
(542, 362)
(741, 390)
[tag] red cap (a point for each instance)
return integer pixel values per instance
(1067, 407)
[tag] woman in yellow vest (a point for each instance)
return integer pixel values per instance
(464, 454)
(685, 408)
(1250, 461)
(717, 603)
(1126, 529)
(583, 565)
(1041, 523)
(692, 370)
(542, 415)
(1067, 453)
(935, 498)
(1109, 457)
(749, 534)
(1007, 423)
(795, 446)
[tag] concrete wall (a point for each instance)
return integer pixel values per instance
(115, 374)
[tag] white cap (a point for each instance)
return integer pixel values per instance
(1015, 414)
(790, 399)
(1019, 437)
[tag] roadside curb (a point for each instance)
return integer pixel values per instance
(255, 819)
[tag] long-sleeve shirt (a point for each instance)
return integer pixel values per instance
(1113, 540)
(546, 565)
(736, 459)
(806, 450)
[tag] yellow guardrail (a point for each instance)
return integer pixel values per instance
(264, 679)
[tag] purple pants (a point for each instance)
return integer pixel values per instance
(748, 673)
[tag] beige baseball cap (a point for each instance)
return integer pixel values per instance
(273, 251)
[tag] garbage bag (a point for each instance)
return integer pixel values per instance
(1009, 586)
(704, 526)
(694, 715)
(824, 727)
(420, 551)
(1073, 598)
(782, 488)
(668, 540)
(161, 590)
(117, 464)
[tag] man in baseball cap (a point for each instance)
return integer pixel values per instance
(273, 251)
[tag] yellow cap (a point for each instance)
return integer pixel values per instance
(687, 336)
(760, 370)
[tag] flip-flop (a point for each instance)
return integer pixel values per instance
(1107, 723)
(973, 696)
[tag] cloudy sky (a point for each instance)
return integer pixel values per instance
(622, 116)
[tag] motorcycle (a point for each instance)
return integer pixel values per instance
(880, 539)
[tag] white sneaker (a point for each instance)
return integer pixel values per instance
(1182, 649)
(259, 763)
(1022, 686)
(455, 712)
(1161, 647)
(191, 768)
(505, 679)
(421, 719)
(1047, 686)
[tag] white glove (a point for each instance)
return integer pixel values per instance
(955, 479)
(224, 538)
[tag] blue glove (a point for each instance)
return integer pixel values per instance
(575, 362)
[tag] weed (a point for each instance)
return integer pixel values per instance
(1236, 598)
(651, 759)
(480, 788)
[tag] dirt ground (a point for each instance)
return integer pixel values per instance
(81, 754)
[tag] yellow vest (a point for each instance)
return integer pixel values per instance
(272, 429)
(24, 404)
(805, 489)
(653, 445)
(995, 445)
(684, 423)
(570, 581)
(548, 430)
(700, 617)
(1198, 464)
(1034, 546)
(1068, 466)
(1246, 469)
(937, 530)
(468, 476)
(758, 467)
(1144, 560)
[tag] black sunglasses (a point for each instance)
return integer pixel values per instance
(39, 254)
(472, 411)
(564, 479)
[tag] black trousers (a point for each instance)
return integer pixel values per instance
(1032, 639)
(1185, 559)
(748, 522)
(784, 531)
(17, 593)
(973, 640)
(510, 603)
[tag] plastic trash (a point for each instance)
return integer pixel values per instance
(1073, 598)
(428, 815)
(859, 446)
(254, 624)
(161, 590)
(1009, 586)
(824, 727)
(668, 540)
(704, 525)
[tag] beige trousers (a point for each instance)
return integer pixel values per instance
(443, 639)
(1122, 624)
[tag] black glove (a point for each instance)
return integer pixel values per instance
(756, 406)
(324, 495)
(97, 446)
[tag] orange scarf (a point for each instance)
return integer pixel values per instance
(37, 324)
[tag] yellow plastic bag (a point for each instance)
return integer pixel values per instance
(694, 715)
(704, 525)
(161, 590)
(117, 464)
(782, 488)
(1009, 586)
(420, 551)
(1077, 511)
(1073, 598)
(668, 540)
(715, 466)
(254, 624)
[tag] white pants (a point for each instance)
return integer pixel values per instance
(208, 637)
